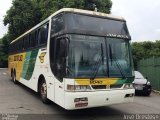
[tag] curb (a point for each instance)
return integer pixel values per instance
(155, 91)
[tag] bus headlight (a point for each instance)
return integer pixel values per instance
(128, 86)
(78, 88)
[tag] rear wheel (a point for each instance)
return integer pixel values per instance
(14, 77)
(43, 92)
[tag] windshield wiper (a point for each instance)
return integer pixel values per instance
(117, 63)
(97, 64)
(120, 68)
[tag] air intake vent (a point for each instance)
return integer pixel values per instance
(106, 86)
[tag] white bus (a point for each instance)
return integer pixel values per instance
(75, 58)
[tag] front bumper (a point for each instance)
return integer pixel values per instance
(144, 89)
(98, 98)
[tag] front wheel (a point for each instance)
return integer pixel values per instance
(43, 92)
(148, 93)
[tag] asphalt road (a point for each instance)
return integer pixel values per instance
(21, 101)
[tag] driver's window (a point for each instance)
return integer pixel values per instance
(60, 58)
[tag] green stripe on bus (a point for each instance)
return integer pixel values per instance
(122, 81)
(25, 65)
(30, 64)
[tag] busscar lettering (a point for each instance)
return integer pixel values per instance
(96, 82)
(18, 57)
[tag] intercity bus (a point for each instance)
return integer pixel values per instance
(75, 58)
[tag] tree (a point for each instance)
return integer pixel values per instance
(4, 51)
(144, 50)
(50, 6)
(20, 17)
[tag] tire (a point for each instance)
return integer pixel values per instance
(14, 77)
(43, 92)
(147, 93)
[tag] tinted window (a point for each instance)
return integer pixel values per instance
(32, 40)
(94, 25)
(52, 52)
(43, 34)
(21, 44)
(57, 24)
(26, 42)
(57, 57)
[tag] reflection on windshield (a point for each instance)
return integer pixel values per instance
(119, 58)
(84, 54)
(87, 57)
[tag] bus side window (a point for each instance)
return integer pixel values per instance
(26, 42)
(23, 44)
(36, 38)
(52, 52)
(60, 58)
(32, 39)
(12, 47)
(43, 34)
(17, 46)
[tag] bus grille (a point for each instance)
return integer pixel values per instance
(116, 86)
(106, 87)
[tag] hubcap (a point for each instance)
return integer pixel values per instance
(13, 77)
(44, 90)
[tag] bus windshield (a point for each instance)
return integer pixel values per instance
(90, 56)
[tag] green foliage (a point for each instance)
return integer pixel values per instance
(145, 50)
(4, 51)
(50, 6)
(20, 17)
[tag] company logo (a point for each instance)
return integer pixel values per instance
(41, 57)
(18, 58)
(96, 82)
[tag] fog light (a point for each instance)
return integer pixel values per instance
(128, 86)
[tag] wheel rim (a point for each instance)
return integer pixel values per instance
(13, 77)
(44, 90)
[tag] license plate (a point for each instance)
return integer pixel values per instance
(139, 87)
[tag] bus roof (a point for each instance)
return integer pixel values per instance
(100, 14)
(87, 12)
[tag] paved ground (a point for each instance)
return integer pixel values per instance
(18, 99)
